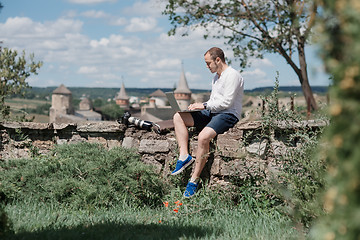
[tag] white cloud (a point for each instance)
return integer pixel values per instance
(148, 8)
(95, 14)
(143, 62)
(257, 62)
(87, 70)
(167, 63)
(141, 24)
(117, 21)
(102, 42)
(90, 1)
(20, 28)
(256, 73)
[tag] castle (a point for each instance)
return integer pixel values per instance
(156, 110)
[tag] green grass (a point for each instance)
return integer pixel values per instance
(36, 220)
(83, 191)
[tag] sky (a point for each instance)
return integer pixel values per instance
(103, 43)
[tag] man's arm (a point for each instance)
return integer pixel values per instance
(196, 106)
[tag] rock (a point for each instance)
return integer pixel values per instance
(153, 146)
(257, 148)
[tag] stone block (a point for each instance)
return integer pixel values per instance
(61, 141)
(128, 142)
(99, 127)
(150, 159)
(232, 168)
(279, 148)
(113, 143)
(215, 168)
(76, 139)
(99, 140)
(154, 146)
(258, 148)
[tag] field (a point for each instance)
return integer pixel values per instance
(20, 106)
(68, 196)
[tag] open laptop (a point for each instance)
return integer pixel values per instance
(174, 104)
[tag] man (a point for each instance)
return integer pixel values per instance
(219, 114)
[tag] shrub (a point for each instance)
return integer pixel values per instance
(82, 175)
(341, 54)
(298, 179)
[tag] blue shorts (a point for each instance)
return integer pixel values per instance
(220, 122)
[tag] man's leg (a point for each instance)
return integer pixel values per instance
(202, 153)
(181, 122)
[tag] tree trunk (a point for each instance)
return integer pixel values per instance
(301, 73)
(303, 77)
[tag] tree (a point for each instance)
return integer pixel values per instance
(112, 111)
(14, 70)
(252, 28)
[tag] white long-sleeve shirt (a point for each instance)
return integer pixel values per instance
(227, 93)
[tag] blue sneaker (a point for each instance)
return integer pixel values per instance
(181, 165)
(191, 189)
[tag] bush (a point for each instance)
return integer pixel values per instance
(82, 175)
(341, 54)
(112, 111)
(300, 176)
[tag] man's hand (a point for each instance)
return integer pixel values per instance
(195, 106)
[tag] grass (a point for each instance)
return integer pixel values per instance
(25, 103)
(17, 104)
(37, 220)
(83, 191)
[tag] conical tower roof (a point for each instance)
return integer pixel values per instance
(158, 93)
(62, 90)
(182, 86)
(122, 94)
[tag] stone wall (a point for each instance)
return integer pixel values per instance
(229, 156)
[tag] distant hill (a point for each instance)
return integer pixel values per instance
(93, 93)
(315, 89)
(106, 93)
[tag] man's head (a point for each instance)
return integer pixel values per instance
(215, 60)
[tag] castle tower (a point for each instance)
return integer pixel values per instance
(85, 104)
(60, 103)
(122, 98)
(183, 93)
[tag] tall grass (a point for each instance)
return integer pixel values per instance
(83, 191)
(198, 218)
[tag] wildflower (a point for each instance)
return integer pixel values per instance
(176, 210)
(178, 203)
(159, 221)
(166, 204)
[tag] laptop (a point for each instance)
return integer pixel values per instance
(174, 104)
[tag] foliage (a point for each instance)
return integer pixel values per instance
(341, 54)
(40, 109)
(291, 144)
(112, 111)
(252, 28)
(14, 70)
(81, 175)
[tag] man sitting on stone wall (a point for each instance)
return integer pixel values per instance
(219, 114)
